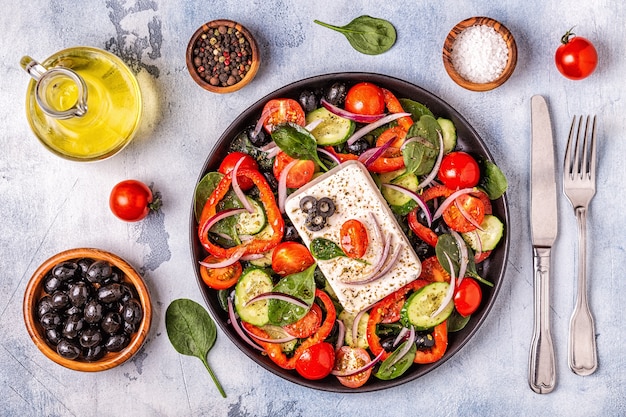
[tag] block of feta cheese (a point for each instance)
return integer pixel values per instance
(356, 196)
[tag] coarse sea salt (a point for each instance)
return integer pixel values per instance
(480, 54)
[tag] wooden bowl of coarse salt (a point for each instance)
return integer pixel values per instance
(479, 54)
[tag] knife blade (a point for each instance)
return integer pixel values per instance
(544, 227)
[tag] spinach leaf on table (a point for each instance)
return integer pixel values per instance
(368, 35)
(192, 332)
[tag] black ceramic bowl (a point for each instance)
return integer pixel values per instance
(468, 140)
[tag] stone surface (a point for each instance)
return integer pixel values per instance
(49, 204)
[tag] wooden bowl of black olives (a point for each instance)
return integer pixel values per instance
(87, 309)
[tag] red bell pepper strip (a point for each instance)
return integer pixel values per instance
(390, 161)
(394, 106)
(423, 232)
(272, 212)
(275, 352)
(433, 354)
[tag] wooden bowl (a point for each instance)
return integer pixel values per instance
(448, 47)
(35, 290)
(196, 71)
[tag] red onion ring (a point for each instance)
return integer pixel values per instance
(219, 216)
(341, 333)
(359, 118)
(261, 121)
(279, 296)
(270, 340)
(270, 146)
(450, 293)
(315, 123)
(446, 203)
(238, 191)
(372, 275)
(372, 126)
(226, 262)
(415, 197)
(330, 156)
(433, 174)
(363, 368)
(400, 336)
(406, 347)
(369, 156)
(282, 185)
(392, 260)
(466, 215)
(463, 253)
(235, 323)
(355, 324)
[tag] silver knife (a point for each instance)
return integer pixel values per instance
(543, 221)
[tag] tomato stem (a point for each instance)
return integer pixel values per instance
(568, 34)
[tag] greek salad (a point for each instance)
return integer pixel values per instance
(268, 254)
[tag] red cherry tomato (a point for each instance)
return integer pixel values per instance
(282, 110)
(472, 207)
(432, 271)
(248, 162)
(459, 170)
(467, 297)
(220, 278)
(365, 98)
(290, 258)
(131, 200)
(349, 359)
(317, 361)
(307, 325)
(299, 174)
(353, 238)
(576, 58)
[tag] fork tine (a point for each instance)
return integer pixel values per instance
(570, 149)
(593, 157)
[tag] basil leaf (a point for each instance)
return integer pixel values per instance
(325, 249)
(192, 332)
(416, 109)
(388, 371)
(203, 191)
(413, 155)
(457, 322)
(300, 285)
(447, 244)
(493, 180)
(297, 142)
(425, 128)
(368, 35)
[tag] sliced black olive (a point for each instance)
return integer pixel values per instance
(94, 353)
(111, 323)
(78, 293)
(90, 337)
(117, 342)
(336, 94)
(65, 270)
(271, 180)
(110, 293)
(50, 320)
(68, 350)
(93, 311)
(132, 312)
(308, 204)
(60, 300)
(99, 271)
(314, 222)
(44, 305)
(72, 326)
(325, 207)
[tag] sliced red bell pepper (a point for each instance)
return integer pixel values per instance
(423, 232)
(433, 354)
(272, 212)
(394, 106)
(274, 351)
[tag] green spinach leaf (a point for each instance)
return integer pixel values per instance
(393, 367)
(325, 249)
(416, 109)
(203, 191)
(368, 35)
(426, 128)
(493, 180)
(192, 332)
(447, 244)
(297, 142)
(300, 285)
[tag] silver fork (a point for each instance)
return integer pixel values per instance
(579, 185)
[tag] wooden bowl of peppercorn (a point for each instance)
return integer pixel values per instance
(222, 56)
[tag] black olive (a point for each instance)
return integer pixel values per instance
(387, 344)
(90, 337)
(132, 312)
(99, 271)
(72, 326)
(336, 94)
(308, 204)
(78, 293)
(115, 277)
(110, 293)
(128, 292)
(52, 284)
(83, 265)
(424, 340)
(422, 249)
(73, 310)
(93, 311)
(117, 342)
(50, 320)
(314, 222)
(129, 328)
(325, 207)
(290, 233)
(308, 100)
(271, 180)
(44, 305)
(94, 353)
(111, 323)
(53, 336)
(65, 270)
(60, 300)
(258, 140)
(68, 350)
(359, 146)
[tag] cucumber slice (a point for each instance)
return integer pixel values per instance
(252, 223)
(253, 282)
(396, 198)
(448, 132)
(387, 177)
(277, 332)
(265, 261)
(422, 303)
(487, 238)
(333, 130)
(361, 336)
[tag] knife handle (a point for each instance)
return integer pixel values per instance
(541, 369)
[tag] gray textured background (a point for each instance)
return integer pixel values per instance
(49, 204)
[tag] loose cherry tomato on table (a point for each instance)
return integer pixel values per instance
(365, 98)
(290, 258)
(220, 278)
(282, 110)
(350, 359)
(248, 162)
(576, 58)
(353, 238)
(316, 361)
(459, 170)
(299, 174)
(132, 200)
(307, 325)
(467, 297)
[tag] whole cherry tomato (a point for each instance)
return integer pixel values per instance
(365, 98)
(299, 174)
(248, 162)
(317, 361)
(132, 200)
(459, 170)
(576, 58)
(467, 297)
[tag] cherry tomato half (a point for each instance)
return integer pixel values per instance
(365, 98)
(467, 297)
(299, 174)
(349, 359)
(459, 170)
(131, 200)
(220, 278)
(307, 325)
(290, 258)
(576, 58)
(248, 162)
(432, 271)
(471, 207)
(317, 361)
(395, 133)
(353, 238)
(282, 110)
